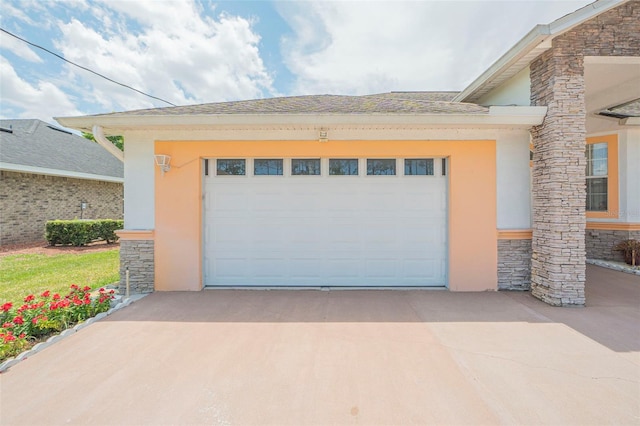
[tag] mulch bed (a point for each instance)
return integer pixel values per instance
(45, 248)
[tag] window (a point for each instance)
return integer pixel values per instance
(602, 177)
(597, 177)
(230, 167)
(305, 167)
(343, 167)
(381, 167)
(422, 166)
(267, 167)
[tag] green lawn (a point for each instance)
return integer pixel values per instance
(24, 274)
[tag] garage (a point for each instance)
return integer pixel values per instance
(325, 222)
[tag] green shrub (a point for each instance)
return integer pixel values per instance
(81, 232)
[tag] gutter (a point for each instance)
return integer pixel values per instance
(19, 168)
(98, 134)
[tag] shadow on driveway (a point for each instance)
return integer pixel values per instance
(612, 315)
(342, 357)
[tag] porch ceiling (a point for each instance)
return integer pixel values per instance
(609, 82)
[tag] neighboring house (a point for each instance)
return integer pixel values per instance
(399, 189)
(49, 173)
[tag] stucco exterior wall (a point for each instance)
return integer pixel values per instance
(28, 201)
(514, 91)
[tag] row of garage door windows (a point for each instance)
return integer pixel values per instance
(312, 167)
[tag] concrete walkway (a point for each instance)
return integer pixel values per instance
(343, 357)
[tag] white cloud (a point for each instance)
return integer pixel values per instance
(171, 51)
(18, 47)
(368, 47)
(42, 100)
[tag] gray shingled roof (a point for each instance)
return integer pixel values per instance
(35, 143)
(385, 103)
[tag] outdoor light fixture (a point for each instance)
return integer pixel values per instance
(323, 135)
(83, 207)
(163, 161)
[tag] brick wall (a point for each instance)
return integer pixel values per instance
(27, 201)
(514, 264)
(137, 255)
(558, 176)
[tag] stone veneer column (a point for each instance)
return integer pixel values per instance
(558, 182)
(137, 254)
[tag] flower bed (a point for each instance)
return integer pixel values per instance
(47, 314)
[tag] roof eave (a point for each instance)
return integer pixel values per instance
(21, 168)
(496, 117)
(532, 45)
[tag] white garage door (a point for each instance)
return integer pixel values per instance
(329, 226)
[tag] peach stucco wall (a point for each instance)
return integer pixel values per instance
(472, 201)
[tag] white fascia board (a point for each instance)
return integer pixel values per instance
(19, 168)
(520, 116)
(630, 121)
(529, 42)
(538, 38)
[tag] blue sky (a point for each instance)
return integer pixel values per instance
(197, 51)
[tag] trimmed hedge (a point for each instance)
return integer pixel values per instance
(81, 232)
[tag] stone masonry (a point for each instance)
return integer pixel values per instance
(514, 264)
(28, 201)
(557, 81)
(600, 243)
(137, 255)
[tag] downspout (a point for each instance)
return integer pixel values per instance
(98, 134)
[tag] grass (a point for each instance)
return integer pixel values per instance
(24, 274)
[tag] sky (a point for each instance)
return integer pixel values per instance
(198, 51)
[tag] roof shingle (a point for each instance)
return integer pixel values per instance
(35, 143)
(386, 103)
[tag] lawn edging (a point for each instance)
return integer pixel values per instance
(119, 304)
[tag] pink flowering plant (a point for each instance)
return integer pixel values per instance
(45, 315)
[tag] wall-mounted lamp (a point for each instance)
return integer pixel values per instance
(83, 207)
(323, 135)
(163, 161)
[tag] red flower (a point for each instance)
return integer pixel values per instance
(7, 306)
(112, 292)
(56, 296)
(46, 294)
(22, 335)
(9, 337)
(101, 290)
(29, 298)
(74, 287)
(18, 320)
(77, 302)
(7, 325)
(86, 288)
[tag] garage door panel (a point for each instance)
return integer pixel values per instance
(325, 231)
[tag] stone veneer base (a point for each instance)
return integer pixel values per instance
(138, 256)
(514, 264)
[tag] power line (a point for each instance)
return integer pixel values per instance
(85, 68)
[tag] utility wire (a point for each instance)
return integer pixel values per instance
(85, 68)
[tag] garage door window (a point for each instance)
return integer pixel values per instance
(418, 167)
(267, 167)
(381, 166)
(230, 167)
(305, 167)
(343, 167)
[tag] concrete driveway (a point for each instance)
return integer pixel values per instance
(343, 357)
